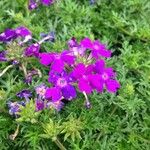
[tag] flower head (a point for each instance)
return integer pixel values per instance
(98, 49)
(32, 50)
(32, 4)
(56, 105)
(14, 107)
(3, 56)
(41, 90)
(47, 2)
(39, 105)
(62, 87)
(106, 77)
(24, 94)
(55, 60)
(8, 35)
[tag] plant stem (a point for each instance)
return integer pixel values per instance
(113, 111)
(44, 39)
(24, 69)
(13, 136)
(5, 70)
(87, 102)
(59, 144)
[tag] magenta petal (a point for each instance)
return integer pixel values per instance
(84, 86)
(46, 58)
(105, 53)
(99, 66)
(87, 43)
(46, 2)
(79, 71)
(89, 69)
(99, 49)
(96, 82)
(112, 85)
(67, 57)
(110, 72)
(58, 65)
(53, 93)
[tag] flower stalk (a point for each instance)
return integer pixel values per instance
(59, 144)
(13, 136)
(87, 102)
(5, 70)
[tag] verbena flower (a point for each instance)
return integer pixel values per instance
(81, 74)
(32, 4)
(97, 49)
(14, 107)
(63, 87)
(106, 77)
(56, 105)
(39, 105)
(55, 60)
(73, 43)
(8, 35)
(41, 90)
(32, 50)
(3, 56)
(24, 94)
(30, 74)
(47, 2)
(11, 34)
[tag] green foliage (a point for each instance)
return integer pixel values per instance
(28, 113)
(115, 122)
(72, 128)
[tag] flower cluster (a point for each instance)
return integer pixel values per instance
(80, 68)
(18, 48)
(11, 34)
(33, 4)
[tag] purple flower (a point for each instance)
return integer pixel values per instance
(106, 77)
(14, 107)
(92, 2)
(32, 50)
(15, 62)
(29, 76)
(72, 43)
(56, 105)
(56, 60)
(46, 2)
(81, 74)
(62, 87)
(8, 35)
(32, 5)
(46, 58)
(39, 105)
(3, 56)
(24, 33)
(97, 49)
(24, 94)
(41, 90)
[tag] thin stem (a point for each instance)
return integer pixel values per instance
(113, 111)
(59, 144)
(87, 102)
(13, 136)
(24, 69)
(5, 70)
(44, 39)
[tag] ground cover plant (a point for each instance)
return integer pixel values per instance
(58, 87)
